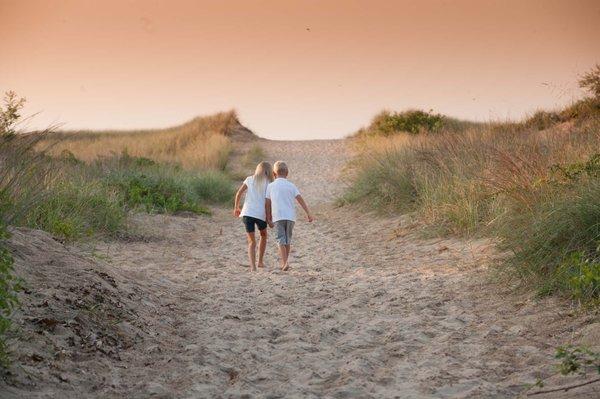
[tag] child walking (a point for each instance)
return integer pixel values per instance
(253, 212)
(281, 210)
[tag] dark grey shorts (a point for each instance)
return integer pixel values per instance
(283, 231)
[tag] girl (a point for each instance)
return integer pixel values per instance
(253, 211)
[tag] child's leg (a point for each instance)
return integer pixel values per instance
(262, 245)
(282, 255)
(288, 249)
(289, 228)
(252, 251)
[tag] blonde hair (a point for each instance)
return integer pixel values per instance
(281, 168)
(263, 175)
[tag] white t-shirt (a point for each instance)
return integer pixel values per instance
(282, 194)
(254, 202)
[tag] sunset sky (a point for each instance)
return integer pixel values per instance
(292, 69)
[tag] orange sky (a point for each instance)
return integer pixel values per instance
(293, 69)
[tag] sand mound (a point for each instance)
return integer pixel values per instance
(74, 311)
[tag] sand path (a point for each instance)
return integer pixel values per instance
(361, 314)
(368, 309)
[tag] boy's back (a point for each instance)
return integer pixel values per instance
(282, 194)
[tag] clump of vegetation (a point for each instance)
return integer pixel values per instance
(389, 123)
(165, 189)
(591, 82)
(77, 208)
(537, 191)
(573, 360)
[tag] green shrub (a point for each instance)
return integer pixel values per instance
(591, 81)
(156, 193)
(571, 173)
(413, 121)
(168, 188)
(577, 359)
(581, 275)
(212, 187)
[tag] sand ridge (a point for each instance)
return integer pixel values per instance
(369, 309)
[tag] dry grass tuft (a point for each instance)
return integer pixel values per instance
(536, 190)
(202, 143)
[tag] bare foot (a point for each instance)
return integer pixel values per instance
(253, 269)
(261, 265)
(285, 267)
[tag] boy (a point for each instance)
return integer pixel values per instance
(280, 210)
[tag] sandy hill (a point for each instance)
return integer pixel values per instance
(200, 143)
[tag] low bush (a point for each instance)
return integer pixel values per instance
(163, 188)
(75, 208)
(155, 193)
(413, 121)
(389, 123)
(590, 81)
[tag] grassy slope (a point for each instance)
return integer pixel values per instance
(200, 143)
(79, 184)
(532, 184)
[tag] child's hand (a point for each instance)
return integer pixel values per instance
(236, 212)
(271, 224)
(310, 218)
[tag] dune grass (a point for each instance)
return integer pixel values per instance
(532, 184)
(160, 188)
(45, 185)
(81, 185)
(201, 143)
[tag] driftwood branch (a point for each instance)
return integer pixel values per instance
(564, 388)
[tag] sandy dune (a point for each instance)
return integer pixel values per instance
(368, 310)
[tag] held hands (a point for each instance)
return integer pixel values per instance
(270, 223)
(236, 212)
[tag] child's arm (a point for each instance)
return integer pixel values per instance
(305, 207)
(238, 196)
(268, 211)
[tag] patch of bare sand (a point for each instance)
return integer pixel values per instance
(368, 310)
